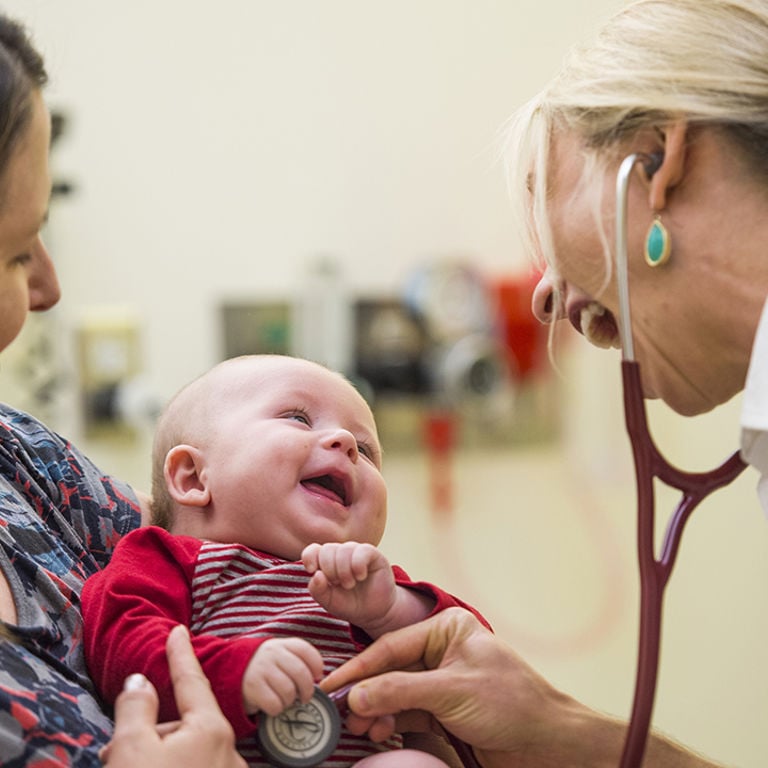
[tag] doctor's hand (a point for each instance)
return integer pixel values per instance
(471, 682)
(451, 669)
(201, 739)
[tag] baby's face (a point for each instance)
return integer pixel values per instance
(293, 458)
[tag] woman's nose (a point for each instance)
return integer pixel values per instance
(342, 440)
(43, 282)
(547, 304)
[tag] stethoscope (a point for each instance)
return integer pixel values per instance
(304, 735)
(650, 464)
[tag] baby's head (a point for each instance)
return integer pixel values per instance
(269, 451)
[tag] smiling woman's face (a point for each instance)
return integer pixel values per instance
(693, 318)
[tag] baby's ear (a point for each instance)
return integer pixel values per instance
(185, 476)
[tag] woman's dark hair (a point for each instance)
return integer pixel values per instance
(22, 72)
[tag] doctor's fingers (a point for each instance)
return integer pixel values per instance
(470, 681)
(432, 643)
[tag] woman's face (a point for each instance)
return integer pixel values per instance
(27, 277)
(679, 342)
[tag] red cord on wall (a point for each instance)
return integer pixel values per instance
(440, 440)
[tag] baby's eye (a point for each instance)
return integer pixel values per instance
(299, 414)
(367, 450)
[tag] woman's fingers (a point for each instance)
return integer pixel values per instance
(135, 718)
(136, 707)
(203, 738)
(403, 649)
(190, 686)
(450, 666)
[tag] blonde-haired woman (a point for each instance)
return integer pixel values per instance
(683, 84)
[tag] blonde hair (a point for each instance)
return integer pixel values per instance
(703, 60)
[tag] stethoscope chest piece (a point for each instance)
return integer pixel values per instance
(303, 735)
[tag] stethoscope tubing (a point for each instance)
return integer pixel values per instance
(650, 464)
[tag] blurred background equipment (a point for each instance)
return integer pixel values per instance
(453, 344)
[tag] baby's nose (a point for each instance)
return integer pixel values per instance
(343, 440)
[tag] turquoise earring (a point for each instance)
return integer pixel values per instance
(657, 244)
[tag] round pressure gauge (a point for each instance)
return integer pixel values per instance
(302, 735)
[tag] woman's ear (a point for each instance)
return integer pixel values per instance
(186, 477)
(670, 172)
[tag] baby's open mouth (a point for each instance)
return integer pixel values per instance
(329, 486)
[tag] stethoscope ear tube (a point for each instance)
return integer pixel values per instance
(622, 270)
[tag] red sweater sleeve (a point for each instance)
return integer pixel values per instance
(130, 607)
(442, 598)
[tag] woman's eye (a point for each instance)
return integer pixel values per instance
(21, 259)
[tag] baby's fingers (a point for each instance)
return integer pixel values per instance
(337, 562)
(281, 671)
(310, 557)
(319, 587)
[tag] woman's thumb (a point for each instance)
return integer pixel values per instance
(137, 705)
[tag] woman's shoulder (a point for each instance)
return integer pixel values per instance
(21, 427)
(47, 482)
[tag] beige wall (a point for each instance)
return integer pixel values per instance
(218, 146)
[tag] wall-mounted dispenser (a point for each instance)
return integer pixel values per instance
(109, 356)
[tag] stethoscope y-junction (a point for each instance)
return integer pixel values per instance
(650, 464)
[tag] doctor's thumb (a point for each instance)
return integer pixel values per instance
(389, 694)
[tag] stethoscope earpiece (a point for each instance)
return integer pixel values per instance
(651, 162)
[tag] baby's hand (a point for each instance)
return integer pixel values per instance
(352, 581)
(282, 670)
(355, 582)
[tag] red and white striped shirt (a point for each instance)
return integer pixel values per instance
(232, 598)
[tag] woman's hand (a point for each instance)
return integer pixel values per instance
(471, 682)
(201, 739)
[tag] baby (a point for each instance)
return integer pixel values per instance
(268, 503)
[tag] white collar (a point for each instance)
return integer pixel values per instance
(754, 412)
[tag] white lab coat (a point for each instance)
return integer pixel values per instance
(754, 414)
